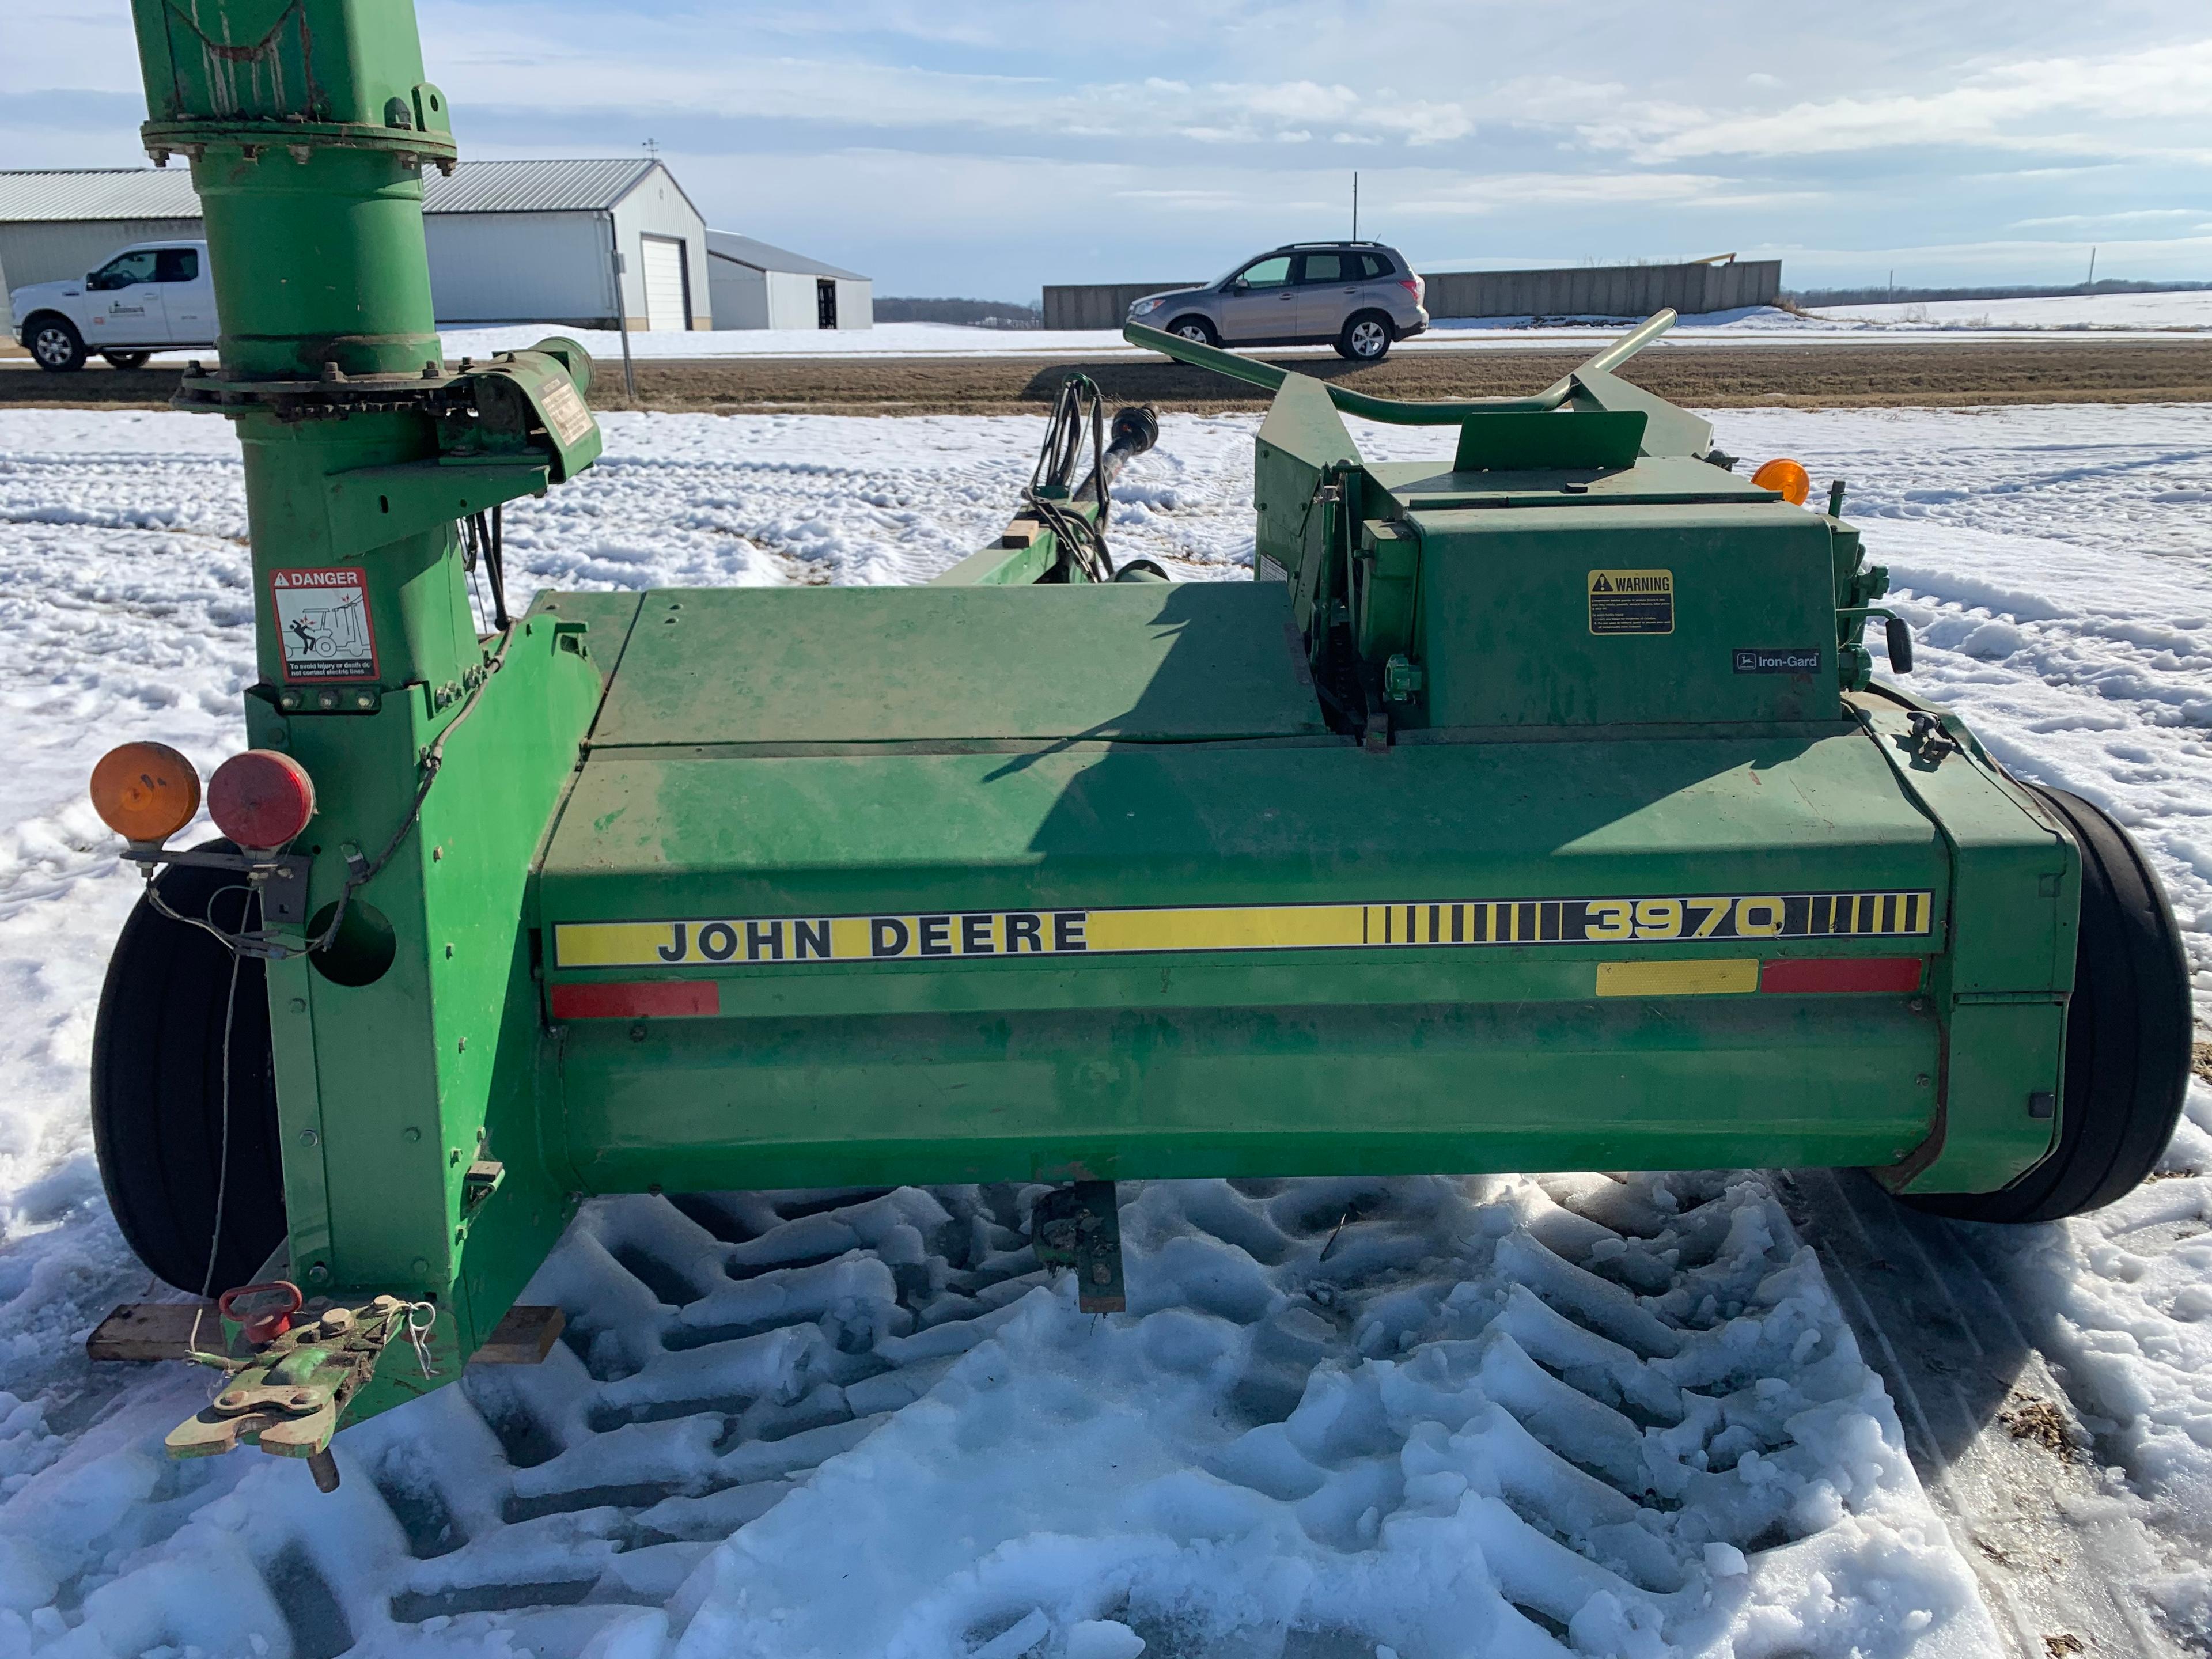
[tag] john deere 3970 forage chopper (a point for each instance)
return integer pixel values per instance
(1532, 809)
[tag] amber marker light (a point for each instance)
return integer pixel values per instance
(1786, 478)
(261, 799)
(145, 791)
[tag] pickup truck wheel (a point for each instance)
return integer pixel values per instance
(2128, 1035)
(56, 344)
(158, 1099)
(1366, 337)
(127, 359)
(1194, 328)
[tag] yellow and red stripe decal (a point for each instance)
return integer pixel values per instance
(791, 940)
(1656, 976)
(663, 999)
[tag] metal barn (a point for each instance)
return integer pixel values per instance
(530, 241)
(756, 285)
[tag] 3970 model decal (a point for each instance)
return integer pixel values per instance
(793, 940)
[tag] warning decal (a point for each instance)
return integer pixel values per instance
(781, 940)
(322, 617)
(565, 413)
(1631, 601)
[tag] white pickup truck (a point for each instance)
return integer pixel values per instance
(150, 297)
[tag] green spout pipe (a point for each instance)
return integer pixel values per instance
(1396, 411)
(308, 137)
(1621, 349)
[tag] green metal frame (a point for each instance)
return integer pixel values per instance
(542, 993)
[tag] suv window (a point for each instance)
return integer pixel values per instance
(176, 264)
(1274, 271)
(1374, 266)
(122, 272)
(1331, 267)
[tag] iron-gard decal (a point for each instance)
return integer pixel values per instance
(791, 939)
(1751, 659)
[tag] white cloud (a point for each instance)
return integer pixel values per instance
(2036, 104)
(1176, 132)
(2079, 219)
(1489, 193)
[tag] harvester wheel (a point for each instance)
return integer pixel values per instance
(1195, 328)
(157, 1089)
(2128, 1036)
(1366, 337)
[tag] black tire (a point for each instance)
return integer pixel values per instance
(157, 1095)
(1367, 338)
(1195, 328)
(2128, 1036)
(54, 343)
(127, 359)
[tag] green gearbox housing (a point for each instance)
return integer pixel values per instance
(1533, 809)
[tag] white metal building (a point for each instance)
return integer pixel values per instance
(758, 285)
(509, 241)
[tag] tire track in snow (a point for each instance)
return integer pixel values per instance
(1587, 1414)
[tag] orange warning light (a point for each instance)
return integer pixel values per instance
(1786, 479)
(145, 791)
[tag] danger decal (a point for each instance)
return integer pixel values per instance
(1631, 601)
(790, 940)
(323, 622)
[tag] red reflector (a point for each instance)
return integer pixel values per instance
(1801, 973)
(261, 799)
(637, 998)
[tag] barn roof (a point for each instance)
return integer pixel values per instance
(578, 186)
(583, 185)
(98, 193)
(764, 256)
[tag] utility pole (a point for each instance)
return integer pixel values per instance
(1355, 207)
(621, 310)
(2092, 267)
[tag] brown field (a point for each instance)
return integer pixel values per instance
(2075, 370)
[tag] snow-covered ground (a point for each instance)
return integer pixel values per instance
(1623, 1416)
(2190, 309)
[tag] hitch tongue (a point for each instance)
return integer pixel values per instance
(287, 1398)
(1079, 1227)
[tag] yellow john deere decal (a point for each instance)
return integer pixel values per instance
(773, 939)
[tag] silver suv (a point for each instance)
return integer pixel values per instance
(1356, 296)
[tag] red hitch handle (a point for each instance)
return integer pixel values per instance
(264, 1325)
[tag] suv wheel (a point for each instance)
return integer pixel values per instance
(1195, 328)
(1366, 337)
(56, 343)
(126, 359)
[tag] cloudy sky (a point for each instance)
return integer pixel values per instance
(986, 147)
